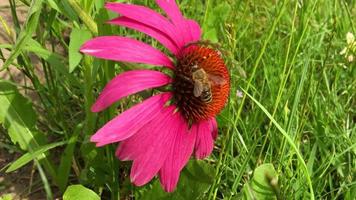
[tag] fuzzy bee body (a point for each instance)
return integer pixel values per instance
(202, 85)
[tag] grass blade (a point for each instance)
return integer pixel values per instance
(28, 157)
(26, 34)
(66, 159)
(290, 141)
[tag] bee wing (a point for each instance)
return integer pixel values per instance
(198, 88)
(216, 79)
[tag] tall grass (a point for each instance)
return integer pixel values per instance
(296, 112)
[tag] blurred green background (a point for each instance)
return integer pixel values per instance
(288, 131)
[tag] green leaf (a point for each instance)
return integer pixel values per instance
(77, 38)
(53, 4)
(211, 35)
(66, 159)
(18, 116)
(289, 140)
(222, 11)
(87, 5)
(55, 60)
(26, 34)
(263, 184)
(67, 10)
(6, 197)
(194, 181)
(79, 192)
(28, 157)
(216, 18)
(84, 16)
(5, 46)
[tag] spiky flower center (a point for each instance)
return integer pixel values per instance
(201, 83)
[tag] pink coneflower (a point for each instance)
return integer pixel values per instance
(160, 134)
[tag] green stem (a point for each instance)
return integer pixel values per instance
(206, 12)
(87, 19)
(88, 95)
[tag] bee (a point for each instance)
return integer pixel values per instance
(203, 83)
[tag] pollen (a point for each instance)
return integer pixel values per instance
(201, 82)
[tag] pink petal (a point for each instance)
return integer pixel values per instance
(151, 159)
(126, 50)
(148, 17)
(171, 8)
(213, 128)
(178, 157)
(130, 121)
(153, 32)
(136, 145)
(188, 29)
(128, 83)
(195, 30)
(204, 142)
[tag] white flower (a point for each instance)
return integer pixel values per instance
(349, 51)
(239, 94)
(343, 51)
(350, 58)
(350, 38)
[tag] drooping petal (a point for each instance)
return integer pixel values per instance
(126, 50)
(128, 83)
(136, 145)
(188, 29)
(213, 127)
(204, 142)
(178, 157)
(171, 8)
(195, 30)
(149, 162)
(130, 121)
(153, 32)
(148, 17)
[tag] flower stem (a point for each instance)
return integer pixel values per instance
(88, 95)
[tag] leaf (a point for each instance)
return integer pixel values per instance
(28, 157)
(53, 4)
(194, 181)
(77, 38)
(55, 60)
(67, 10)
(261, 185)
(17, 116)
(311, 159)
(216, 18)
(211, 35)
(84, 16)
(6, 197)
(5, 46)
(25, 35)
(289, 140)
(66, 159)
(222, 11)
(79, 192)
(87, 5)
